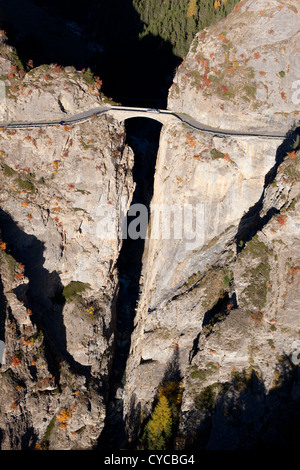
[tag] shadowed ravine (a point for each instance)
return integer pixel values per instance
(143, 138)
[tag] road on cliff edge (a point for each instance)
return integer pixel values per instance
(155, 114)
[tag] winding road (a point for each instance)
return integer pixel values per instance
(123, 112)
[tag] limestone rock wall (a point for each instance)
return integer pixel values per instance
(224, 315)
(58, 268)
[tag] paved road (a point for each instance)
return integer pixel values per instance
(154, 114)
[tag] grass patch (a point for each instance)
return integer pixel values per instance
(216, 154)
(11, 263)
(228, 95)
(25, 185)
(250, 90)
(292, 205)
(227, 281)
(203, 374)
(16, 60)
(45, 440)
(74, 290)
(85, 145)
(257, 276)
(82, 191)
(214, 283)
(8, 171)
(241, 380)
(193, 279)
(291, 165)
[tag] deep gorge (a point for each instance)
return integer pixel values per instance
(142, 135)
(107, 341)
(135, 73)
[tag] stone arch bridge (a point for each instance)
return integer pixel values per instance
(121, 113)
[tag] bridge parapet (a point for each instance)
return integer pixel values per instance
(128, 113)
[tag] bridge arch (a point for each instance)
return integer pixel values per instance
(143, 116)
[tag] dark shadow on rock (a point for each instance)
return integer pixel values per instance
(3, 307)
(29, 439)
(195, 348)
(252, 222)
(98, 34)
(133, 422)
(244, 416)
(172, 371)
(38, 294)
(173, 377)
(216, 314)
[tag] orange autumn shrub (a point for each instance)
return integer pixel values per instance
(15, 361)
(63, 416)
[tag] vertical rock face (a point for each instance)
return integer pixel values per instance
(58, 266)
(218, 313)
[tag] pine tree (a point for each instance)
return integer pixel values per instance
(159, 429)
(178, 21)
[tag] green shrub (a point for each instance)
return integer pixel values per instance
(88, 77)
(206, 399)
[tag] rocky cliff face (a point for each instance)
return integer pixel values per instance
(217, 322)
(239, 74)
(216, 334)
(47, 92)
(58, 273)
